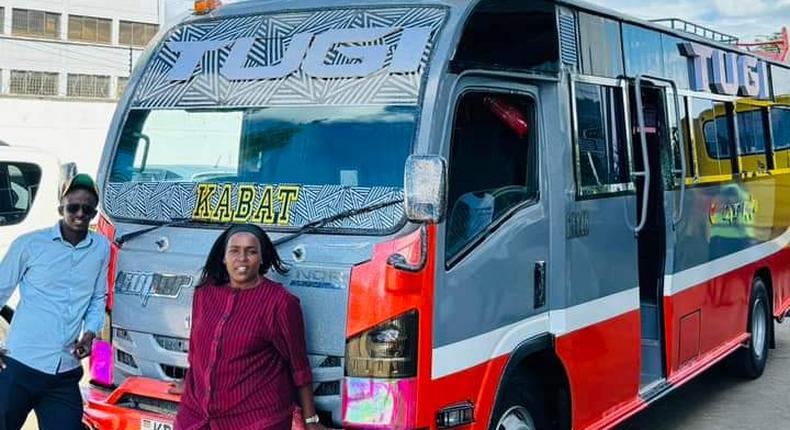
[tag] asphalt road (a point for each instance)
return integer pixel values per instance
(717, 400)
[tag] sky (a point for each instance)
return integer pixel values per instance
(746, 19)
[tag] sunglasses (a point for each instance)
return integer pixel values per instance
(74, 208)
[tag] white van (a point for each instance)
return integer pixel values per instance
(30, 180)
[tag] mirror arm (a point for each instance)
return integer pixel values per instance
(398, 261)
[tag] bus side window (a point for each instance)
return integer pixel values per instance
(493, 165)
(601, 145)
(712, 139)
(684, 138)
(751, 138)
(780, 118)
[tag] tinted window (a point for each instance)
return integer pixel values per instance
(348, 146)
(18, 186)
(711, 137)
(751, 138)
(781, 81)
(643, 51)
(511, 34)
(492, 165)
(780, 126)
(602, 155)
(677, 67)
(601, 50)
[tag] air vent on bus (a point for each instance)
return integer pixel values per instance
(569, 51)
(331, 361)
(174, 372)
(331, 388)
(174, 344)
(126, 358)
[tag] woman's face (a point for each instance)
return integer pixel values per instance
(243, 257)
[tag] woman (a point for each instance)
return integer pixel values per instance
(247, 353)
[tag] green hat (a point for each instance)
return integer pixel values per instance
(81, 181)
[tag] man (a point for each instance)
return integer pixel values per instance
(62, 277)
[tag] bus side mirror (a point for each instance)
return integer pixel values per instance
(425, 188)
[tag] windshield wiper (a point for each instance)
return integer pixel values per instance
(133, 234)
(315, 225)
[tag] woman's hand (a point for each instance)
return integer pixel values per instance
(176, 388)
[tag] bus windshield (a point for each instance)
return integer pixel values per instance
(317, 149)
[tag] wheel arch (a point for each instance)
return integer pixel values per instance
(536, 357)
(764, 273)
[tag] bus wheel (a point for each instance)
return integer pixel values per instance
(750, 362)
(520, 406)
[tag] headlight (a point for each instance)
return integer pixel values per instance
(388, 350)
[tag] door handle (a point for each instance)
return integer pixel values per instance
(539, 299)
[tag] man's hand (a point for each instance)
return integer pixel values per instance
(82, 348)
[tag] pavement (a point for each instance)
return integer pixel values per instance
(718, 400)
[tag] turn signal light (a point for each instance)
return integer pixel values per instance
(203, 7)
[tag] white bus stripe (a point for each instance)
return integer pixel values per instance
(471, 352)
(688, 278)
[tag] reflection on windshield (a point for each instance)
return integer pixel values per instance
(359, 146)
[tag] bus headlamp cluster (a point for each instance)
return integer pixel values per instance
(388, 350)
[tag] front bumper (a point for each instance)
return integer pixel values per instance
(134, 405)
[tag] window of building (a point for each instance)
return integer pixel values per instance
(2, 20)
(18, 186)
(33, 83)
(492, 168)
(88, 86)
(712, 139)
(90, 29)
(752, 138)
(601, 142)
(780, 126)
(136, 33)
(36, 23)
(122, 84)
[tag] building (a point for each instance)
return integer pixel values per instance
(63, 64)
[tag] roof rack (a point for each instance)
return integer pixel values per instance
(690, 27)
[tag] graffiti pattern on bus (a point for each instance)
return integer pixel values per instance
(265, 60)
(729, 212)
(276, 205)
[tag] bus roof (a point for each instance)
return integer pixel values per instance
(249, 7)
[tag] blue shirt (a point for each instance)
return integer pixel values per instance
(63, 290)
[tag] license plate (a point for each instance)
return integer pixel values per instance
(155, 425)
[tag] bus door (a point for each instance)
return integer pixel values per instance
(654, 122)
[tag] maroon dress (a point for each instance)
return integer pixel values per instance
(247, 357)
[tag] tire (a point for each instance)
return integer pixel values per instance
(521, 406)
(750, 362)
